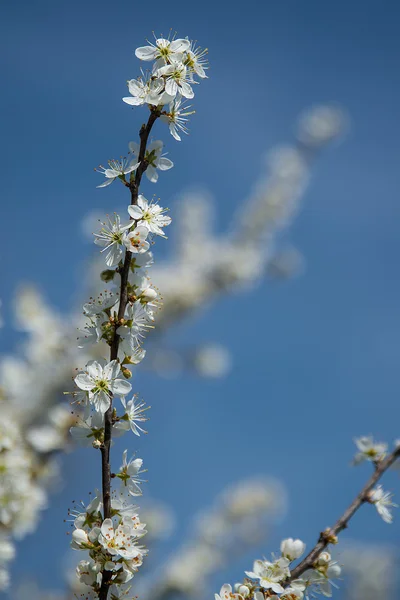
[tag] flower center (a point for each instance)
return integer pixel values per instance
(102, 385)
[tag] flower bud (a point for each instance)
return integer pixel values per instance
(126, 373)
(242, 589)
(148, 295)
(323, 559)
(292, 549)
(79, 539)
(329, 536)
(96, 444)
(107, 275)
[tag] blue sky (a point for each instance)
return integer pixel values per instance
(321, 351)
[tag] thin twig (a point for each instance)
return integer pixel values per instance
(123, 299)
(330, 534)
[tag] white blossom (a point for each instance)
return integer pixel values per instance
(292, 549)
(149, 215)
(195, 60)
(110, 237)
(117, 168)
(154, 159)
(369, 450)
(145, 293)
(163, 49)
(134, 414)
(321, 124)
(226, 593)
(100, 304)
(92, 333)
(147, 91)
(129, 472)
(136, 328)
(383, 502)
(135, 241)
(101, 381)
(90, 430)
(295, 591)
(242, 590)
(81, 540)
(52, 434)
(120, 540)
(323, 572)
(270, 574)
(177, 79)
(88, 572)
(176, 117)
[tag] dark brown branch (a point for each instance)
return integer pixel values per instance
(123, 299)
(330, 534)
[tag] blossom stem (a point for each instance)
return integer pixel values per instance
(326, 536)
(123, 299)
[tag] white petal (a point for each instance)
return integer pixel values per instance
(94, 369)
(135, 212)
(101, 401)
(134, 489)
(142, 202)
(146, 52)
(200, 71)
(151, 174)
(134, 148)
(164, 164)
(156, 145)
(132, 166)
(134, 101)
(107, 529)
(114, 256)
(121, 387)
(112, 370)
(171, 87)
(135, 87)
(162, 42)
(105, 183)
(174, 132)
(84, 382)
(135, 466)
(186, 90)
(180, 45)
(82, 435)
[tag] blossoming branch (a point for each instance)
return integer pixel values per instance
(315, 574)
(109, 527)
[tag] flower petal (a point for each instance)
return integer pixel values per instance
(180, 45)
(84, 382)
(101, 401)
(164, 164)
(120, 387)
(112, 370)
(95, 369)
(146, 52)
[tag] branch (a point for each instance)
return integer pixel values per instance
(330, 534)
(123, 299)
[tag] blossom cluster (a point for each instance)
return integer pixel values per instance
(204, 266)
(316, 574)
(112, 543)
(170, 81)
(241, 516)
(272, 579)
(31, 431)
(272, 576)
(122, 317)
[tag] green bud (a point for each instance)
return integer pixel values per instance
(126, 373)
(107, 275)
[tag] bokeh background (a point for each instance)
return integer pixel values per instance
(315, 359)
